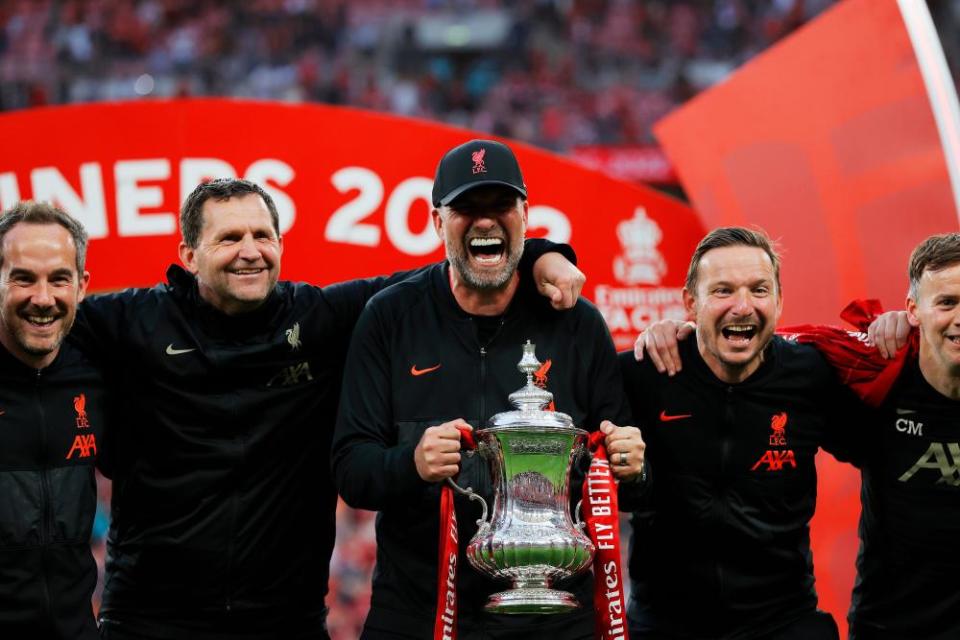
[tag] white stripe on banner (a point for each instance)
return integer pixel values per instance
(940, 90)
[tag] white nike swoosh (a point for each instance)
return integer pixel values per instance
(905, 412)
(176, 352)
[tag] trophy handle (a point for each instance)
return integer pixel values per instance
(470, 493)
(579, 451)
(580, 524)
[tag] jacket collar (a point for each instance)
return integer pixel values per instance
(12, 364)
(690, 353)
(182, 285)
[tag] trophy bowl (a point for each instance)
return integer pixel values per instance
(530, 538)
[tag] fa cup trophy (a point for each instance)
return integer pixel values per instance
(530, 538)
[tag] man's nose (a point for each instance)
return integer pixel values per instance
(742, 302)
(485, 221)
(42, 294)
(249, 249)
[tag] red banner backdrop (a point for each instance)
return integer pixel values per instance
(829, 142)
(633, 163)
(352, 188)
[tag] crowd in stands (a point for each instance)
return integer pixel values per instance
(555, 73)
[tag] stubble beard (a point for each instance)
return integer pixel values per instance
(20, 333)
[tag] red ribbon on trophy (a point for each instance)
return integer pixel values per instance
(602, 516)
(445, 621)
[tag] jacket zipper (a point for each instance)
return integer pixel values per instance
(232, 532)
(483, 374)
(724, 459)
(45, 508)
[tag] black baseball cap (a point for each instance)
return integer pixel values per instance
(473, 164)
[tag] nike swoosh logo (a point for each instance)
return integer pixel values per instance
(176, 352)
(906, 412)
(667, 418)
(419, 372)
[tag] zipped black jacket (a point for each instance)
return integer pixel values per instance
(416, 361)
(51, 424)
(727, 532)
(223, 514)
(910, 521)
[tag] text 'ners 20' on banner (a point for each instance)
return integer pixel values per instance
(352, 189)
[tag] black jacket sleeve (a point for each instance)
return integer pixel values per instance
(372, 469)
(608, 400)
(535, 248)
(349, 298)
(637, 390)
(101, 324)
(847, 435)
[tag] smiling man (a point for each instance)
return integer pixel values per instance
(437, 354)
(731, 442)
(234, 250)
(904, 440)
(51, 417)
(223, 513)
(910, 461)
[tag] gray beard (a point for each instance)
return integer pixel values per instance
(492, 282)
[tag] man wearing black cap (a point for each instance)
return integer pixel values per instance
(437, 354)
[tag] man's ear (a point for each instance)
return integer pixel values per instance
(188, 257)
(911, 307)
(437, 222)
(690, 305)
(84, 283)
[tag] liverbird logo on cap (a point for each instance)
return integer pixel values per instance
(477, 157)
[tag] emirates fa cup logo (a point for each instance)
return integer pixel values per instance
(640, 262)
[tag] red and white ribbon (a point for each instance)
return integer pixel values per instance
(603, 527)
(445, 621)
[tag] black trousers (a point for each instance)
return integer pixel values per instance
(575, 626)
(816, 625)
(314, 629)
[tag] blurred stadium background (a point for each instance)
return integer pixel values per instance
(584, 78)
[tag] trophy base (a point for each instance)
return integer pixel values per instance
(537, 600)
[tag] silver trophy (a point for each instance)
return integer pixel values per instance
(530, 538)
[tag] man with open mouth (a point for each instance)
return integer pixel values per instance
(903, 439)
(732, 438)
(437, 354)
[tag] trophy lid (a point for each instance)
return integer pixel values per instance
(530, 401)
